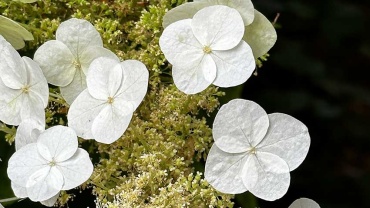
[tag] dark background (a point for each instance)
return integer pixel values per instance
(318, 73)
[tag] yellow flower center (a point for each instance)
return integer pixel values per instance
(207, 50)
(252, 151)
(77, 65)
(25, 89)
(110, 100)
(52, 163)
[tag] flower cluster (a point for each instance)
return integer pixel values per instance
(207, 42)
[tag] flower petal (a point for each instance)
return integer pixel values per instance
(239, 125)
(44, 183)
(38, 86)
(73, 89)
(57, 62)
(260, 35)
(287, 138)
(195, 77)
(76, 170)
(14, 33)
(50, 202)
(31, 107)
(219, 27)
(19, 191)
(10, 105)
(102, 77)
(92, 53)
(223, 171)
(78, 35)
(28, 132)
(135, 83)
(109, 125)
(266, 176)
(25, 162)
(304, 203)
(82, 113)
(234, 66)
(57, 143)
(179, 44)
(12, 69)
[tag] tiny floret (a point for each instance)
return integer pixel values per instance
(254, 151)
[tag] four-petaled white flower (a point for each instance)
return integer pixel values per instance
(259, 33)
(28, 132)
(65, 61)
(24, 89)
(208, 49)
(51, 164)
(114, 90)
(254, 151)
(304, 203)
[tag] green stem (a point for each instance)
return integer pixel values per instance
(9, 199)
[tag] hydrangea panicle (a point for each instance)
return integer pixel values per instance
(65, 61)
(255, 151)
(114, 90)
(208, 50)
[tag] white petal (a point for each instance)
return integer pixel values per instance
(76, 170)
(56, 61)
(57, 143)
(78, 35)
(28, 132)
(196, 77)
(44, 184)
(103, 76)
(50, 202)
(37, 83)
(14, 33)
(10, 105)
(32, 107)
(304, 203)
(24, 163)
(179, 44)
(234, 66)
(109, 125)
(12, 69)
(287, 138)
(19, 191)
(266, 176)
(187, 10)
(72, 90)
(260, 35)
(135, 83)
(223, 171)
(239, 125)
(219, 27)
(82, 113)
(92, 53)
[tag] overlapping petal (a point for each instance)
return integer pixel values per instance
(73, 89)
(288, 138)
(28, 132)
(304, 203)
(14, 33)
(239, 125)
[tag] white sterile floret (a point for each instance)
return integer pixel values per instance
(259, 33)
(24, 91)
(254, 151)
(51, 164)
(114, 90)
(28, 132)
(65, 61)
(14, 33)
(304, 203)
(208, 50)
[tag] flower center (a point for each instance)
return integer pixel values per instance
(253, 151)
(77, 65)
(110, 100)
(52, 163)
(207, 50)
(25, 89)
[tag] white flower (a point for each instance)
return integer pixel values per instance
(114, 90)
(208, 50)
(14, 33)
(304, 203)
(28, 132)
(24, 91)
(65, 61)
(51, 164)
(255, 151)
(259, 33)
